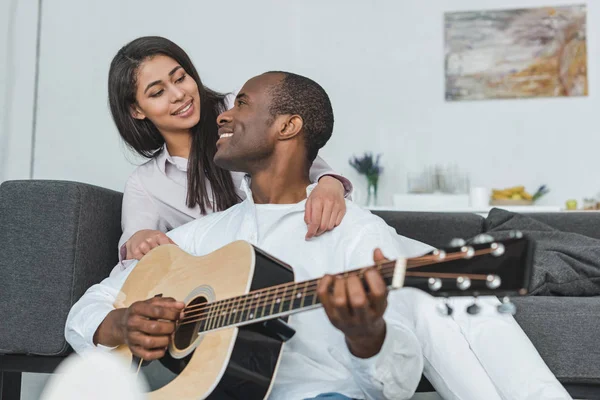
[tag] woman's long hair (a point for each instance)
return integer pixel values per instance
(145, 139)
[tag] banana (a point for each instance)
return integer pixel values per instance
(511, 193)
(517, 189)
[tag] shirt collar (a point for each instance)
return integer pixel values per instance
(245, 187)
(164, 157)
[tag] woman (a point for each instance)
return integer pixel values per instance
(164, 112)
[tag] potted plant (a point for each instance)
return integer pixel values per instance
(369, 166)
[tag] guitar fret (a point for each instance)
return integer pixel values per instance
(314, 294)
(225, 313)
(291, 306)
(281, 299)
(304, 294)
(264, 307)
(233, 311)
(213, 314)
(255, 302)
(273, 301)
(243, 309)
(221, 314)
(209, 318)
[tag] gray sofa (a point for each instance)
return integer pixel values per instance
(58, 238)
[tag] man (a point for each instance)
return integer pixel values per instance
(356, 346)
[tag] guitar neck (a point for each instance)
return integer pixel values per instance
(286, 299)
(276, 301)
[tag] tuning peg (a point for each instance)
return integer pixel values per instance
(507, 307)
(515, 234)
(457, 242)
(468, 250)
(440, 254)
(497, 249)
(434, 284)
(463, 283)
(444, 308)
(482, 239)
(493, 281)
(474, 308)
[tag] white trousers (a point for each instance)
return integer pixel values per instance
(475, 357)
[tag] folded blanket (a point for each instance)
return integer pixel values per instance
(565, 263)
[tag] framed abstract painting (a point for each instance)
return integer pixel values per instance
(520, 53)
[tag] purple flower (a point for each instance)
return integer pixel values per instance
(366, 166)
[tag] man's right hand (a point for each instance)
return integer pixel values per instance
(141, 242)
(146, 327)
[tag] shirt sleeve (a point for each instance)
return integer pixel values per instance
(395, 372)
(88, 313)
(138, 211)
(320, 169)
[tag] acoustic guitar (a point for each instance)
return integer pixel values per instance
(238, 300)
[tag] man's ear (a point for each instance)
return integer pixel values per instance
(136, 113)
(291, 127)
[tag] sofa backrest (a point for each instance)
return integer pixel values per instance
(435, 229)
(56, 240)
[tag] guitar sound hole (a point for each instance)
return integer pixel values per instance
(186, 334)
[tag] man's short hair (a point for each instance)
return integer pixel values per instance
(296, 94)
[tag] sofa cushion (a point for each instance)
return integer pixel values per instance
(435, 229)
(564, 330)
(565, 263)
(57, 239)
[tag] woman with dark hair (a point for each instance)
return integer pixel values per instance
(164, 112)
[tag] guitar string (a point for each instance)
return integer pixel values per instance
(263, 294)
(306, 291)
(224, 314)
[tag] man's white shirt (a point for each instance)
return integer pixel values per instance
(316, 359)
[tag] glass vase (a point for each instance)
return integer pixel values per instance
(372, 181)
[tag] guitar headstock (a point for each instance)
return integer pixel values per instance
(485, 266)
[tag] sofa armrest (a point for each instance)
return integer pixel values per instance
(57, 238)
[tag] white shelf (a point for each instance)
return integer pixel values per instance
(519, 209)
(458, 203)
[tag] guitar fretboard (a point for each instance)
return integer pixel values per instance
(278, 300)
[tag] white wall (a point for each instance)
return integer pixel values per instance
(5, 42)
(18, 33)
(381, 62)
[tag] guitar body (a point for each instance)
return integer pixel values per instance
(229, 363)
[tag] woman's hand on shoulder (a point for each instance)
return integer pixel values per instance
(325, 207)
(141, 242)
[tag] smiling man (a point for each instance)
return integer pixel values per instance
(356, 346)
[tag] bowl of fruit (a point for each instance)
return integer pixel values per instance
(516, 196)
